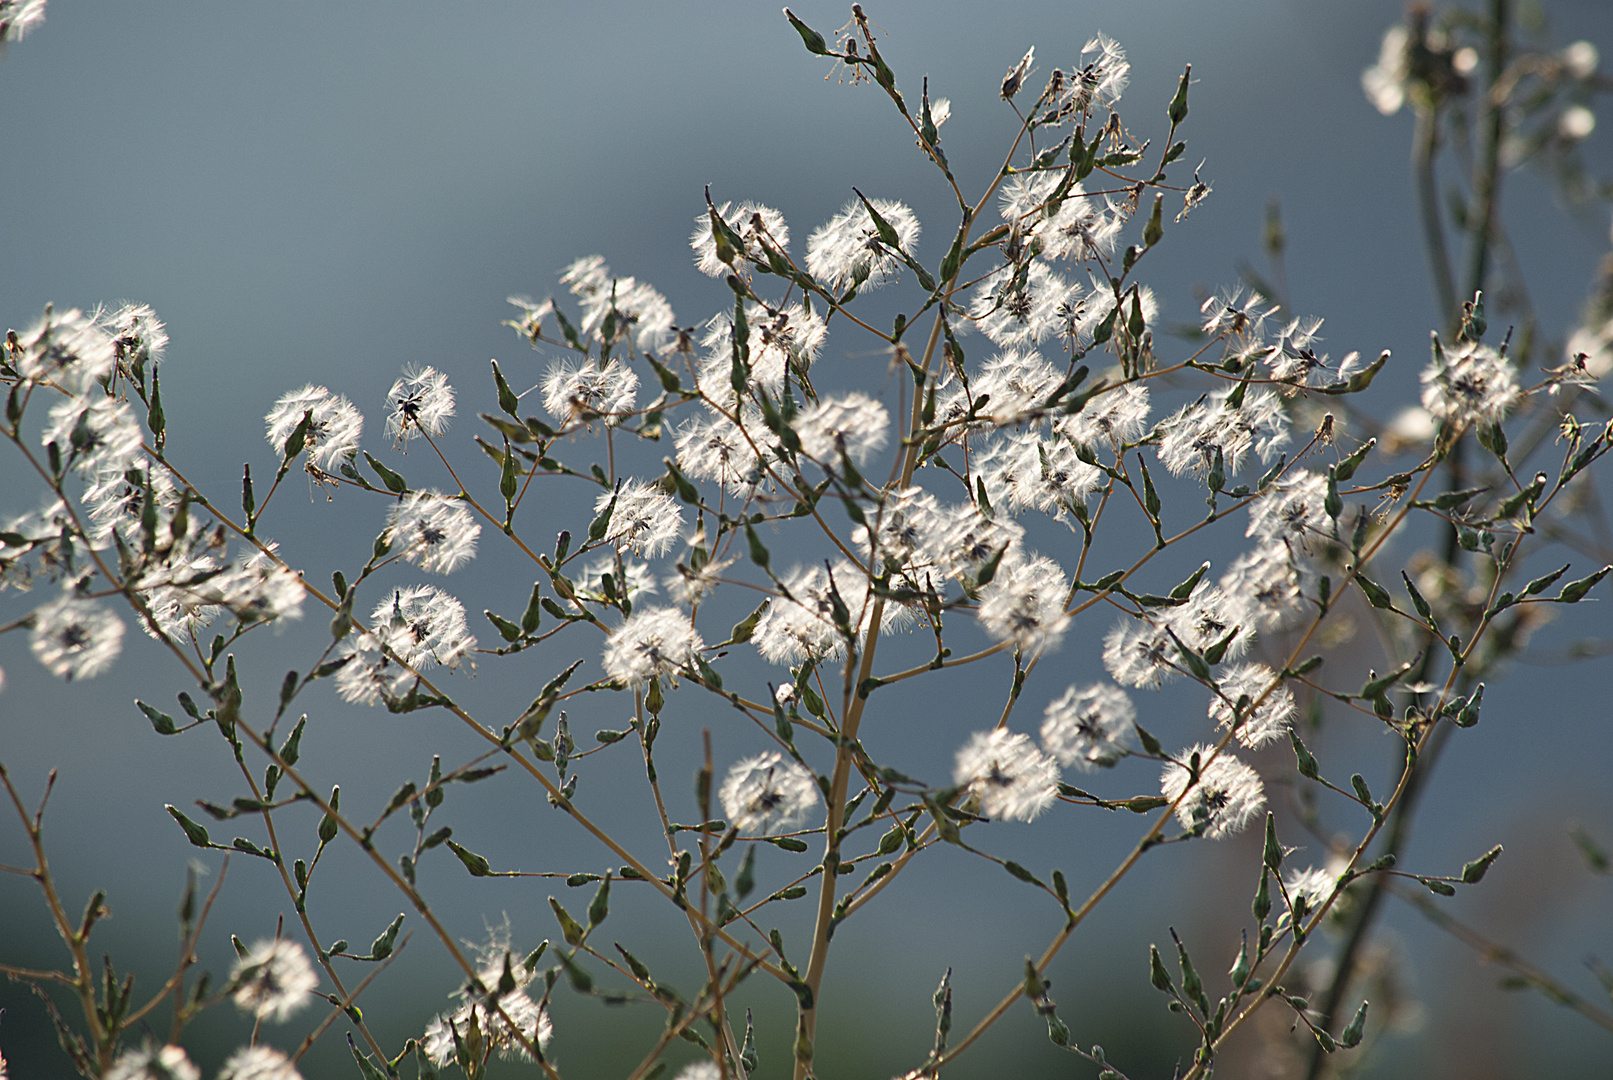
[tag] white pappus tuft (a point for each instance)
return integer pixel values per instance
(1226, 797)
(1258, 724)
(1009, 776)
(652, 642)
(1088, 728)
(334, 426)
(421, 402)
(766, 794)
(273, 980)
(432, 531)
(846, 250)
(75, 638)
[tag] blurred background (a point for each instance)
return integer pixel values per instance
(329, 192)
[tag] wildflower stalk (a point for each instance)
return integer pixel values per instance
(1487, 178)
(1425, 149)
(1486, 190)
(1030, 438)
(83, 978)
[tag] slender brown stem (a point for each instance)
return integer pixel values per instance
(1425, 147)
(1487, 181)
(83, 977)
(1492, 952)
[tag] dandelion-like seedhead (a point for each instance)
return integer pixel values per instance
(716, 448)
(1292, 513)
(495, 1006)
(643, 519)
(1090, 728)
(99, 437)
(767, 794)
(1025, 604)
(760, 228)
(1015, 308)
(421, 403)
(1099, 76)
(817, 608)
(1313, 884)
(258, 589)
(1221, 800)
(273, 980)
(139, 338)
(1470, 384)
(423, 626)
(781, 341)
(1110, 420)
(435, 533)
(1066, 224)
(1010, 777)
(67, 349)
(37, 546)
(498, 1026)
(258, 1063)
(1139, 653)
(614, 308)
(1014, 383)
(150, 1062)
(75, 638)
(654, 642)
(1257, 724)
(415, 628)
(369, 673)
(1266, 588)
(847, 249)
(634, 579)
(585, 391)
(334, 426)
(1025, 471)
(1220, 426)
(691, 581)
(852, 426)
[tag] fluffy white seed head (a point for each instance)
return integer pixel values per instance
(1092, 727)
(75, 638)
(148, 1062)
(273, 981)
(1226, 798)
(652, 642)
(334, 425)
(1260, 724)
(767, 794)
(846, 249)
(1009, 776)
(421, 403)
(435, 533)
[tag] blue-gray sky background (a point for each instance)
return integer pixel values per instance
(329, 192)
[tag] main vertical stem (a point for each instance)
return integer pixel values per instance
(1425, 148)
(851, 720)
(1487, 179)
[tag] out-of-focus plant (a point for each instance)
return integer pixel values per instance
(1033, 405)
